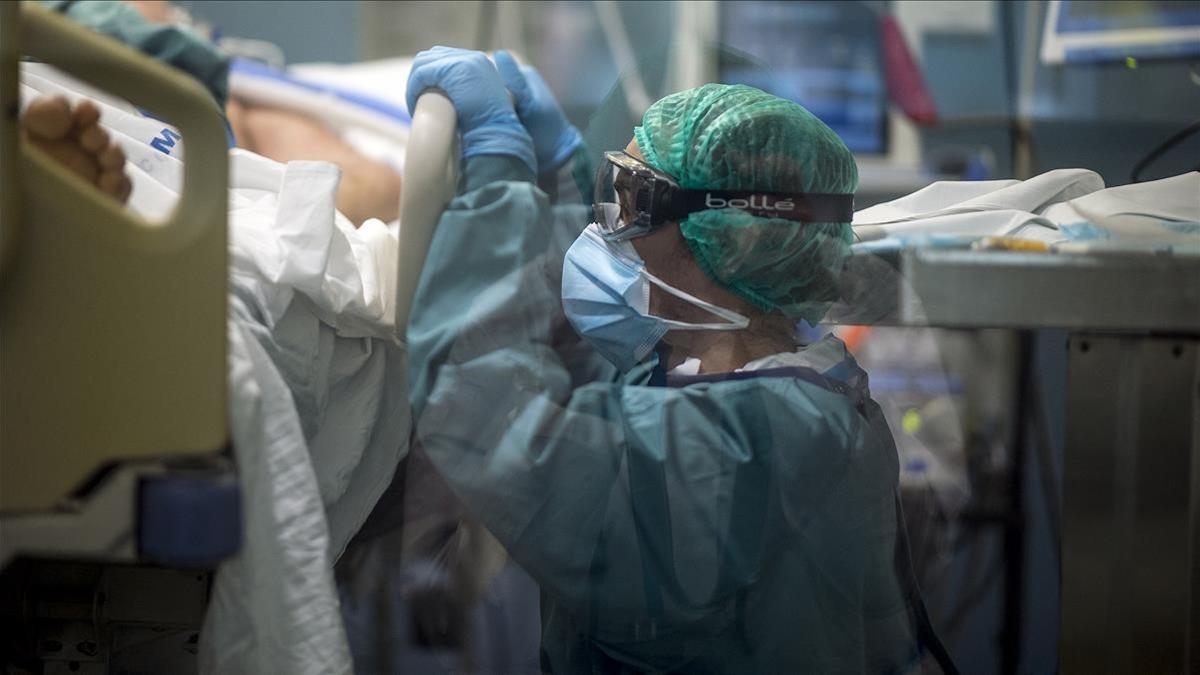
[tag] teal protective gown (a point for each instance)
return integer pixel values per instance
(745, 523)
(174, 45)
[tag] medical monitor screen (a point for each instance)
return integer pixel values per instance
(823, 55)
(1119, 30)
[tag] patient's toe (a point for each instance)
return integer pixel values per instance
(93, 139)
(114, 183)
(86, 114)
(77, 162)
(112, 158)
(48, 118)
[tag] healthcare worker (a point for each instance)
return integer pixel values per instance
(623, 403)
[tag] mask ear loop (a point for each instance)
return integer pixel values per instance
(736, 321)
(629, 256)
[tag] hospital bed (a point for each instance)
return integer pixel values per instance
(116, 491)
(113, 339)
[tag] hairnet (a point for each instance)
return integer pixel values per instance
(735, 137)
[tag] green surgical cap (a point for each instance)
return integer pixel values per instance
(735, 137)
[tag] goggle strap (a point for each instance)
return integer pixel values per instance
(804, 207)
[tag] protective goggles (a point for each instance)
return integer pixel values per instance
(633, 198)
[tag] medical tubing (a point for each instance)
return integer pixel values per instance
(1135, 176)
(613, 28)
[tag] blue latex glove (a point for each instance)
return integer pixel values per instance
(486, 117)
(554, 138)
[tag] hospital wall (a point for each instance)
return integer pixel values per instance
(312, 30)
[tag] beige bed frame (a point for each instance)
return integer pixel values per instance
(112, 329)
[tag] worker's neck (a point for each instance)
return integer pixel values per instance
(726, 351)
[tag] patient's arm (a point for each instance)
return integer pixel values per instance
(369, 188)
(75, 139)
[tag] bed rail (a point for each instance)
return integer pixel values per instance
(112, 328)
(430, 180)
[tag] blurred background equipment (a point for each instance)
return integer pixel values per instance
(834, 68)
(1121, 31)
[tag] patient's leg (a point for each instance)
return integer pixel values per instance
(75, 139)
(369, 188)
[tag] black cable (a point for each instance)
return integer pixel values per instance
(1136, 175)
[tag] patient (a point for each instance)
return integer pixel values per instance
(75, 139)
(369, 188)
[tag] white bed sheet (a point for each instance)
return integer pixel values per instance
(1055, 206)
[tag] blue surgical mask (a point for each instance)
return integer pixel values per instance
(606, 297)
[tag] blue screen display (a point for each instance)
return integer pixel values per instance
(823, 55)
(1107, 31)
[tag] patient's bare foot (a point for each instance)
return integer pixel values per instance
(75, 139)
